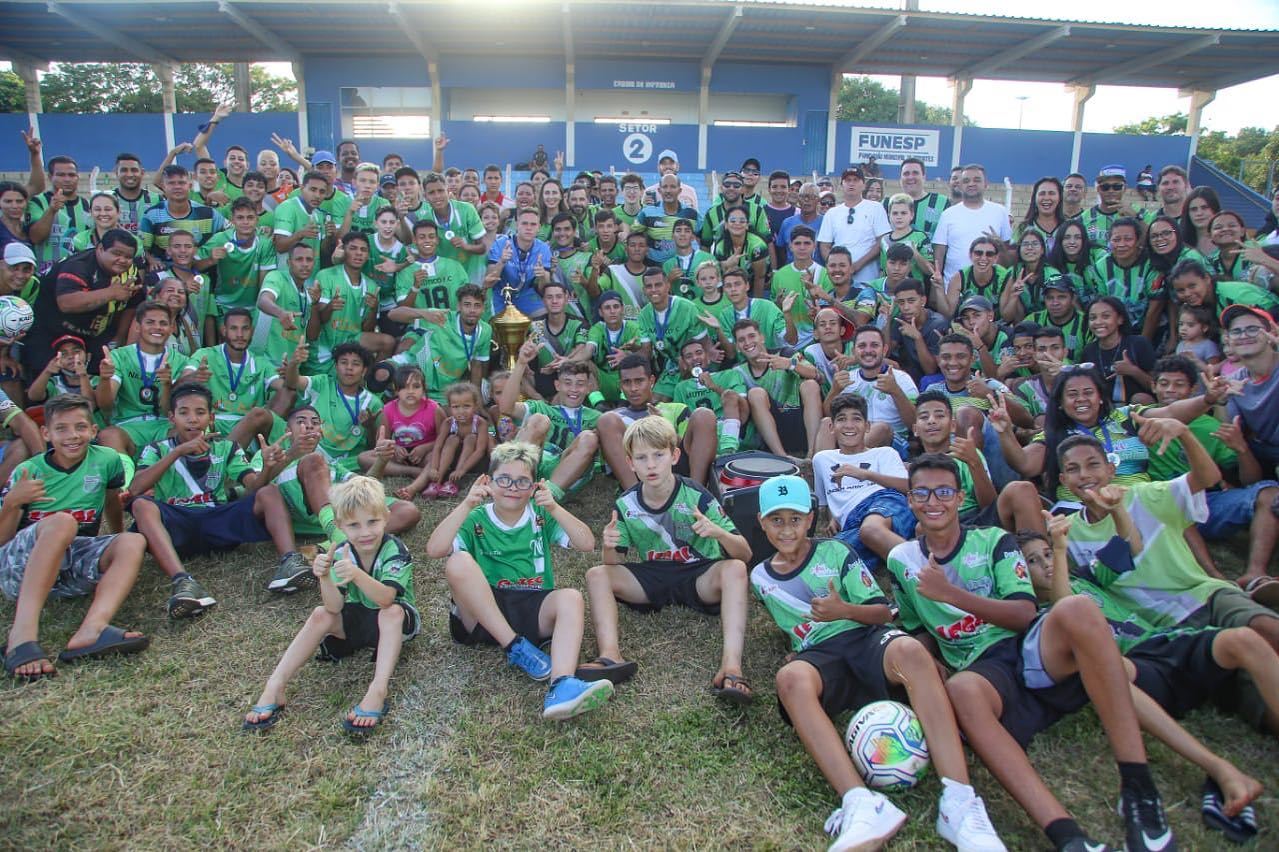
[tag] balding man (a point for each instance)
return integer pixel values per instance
(657, 221)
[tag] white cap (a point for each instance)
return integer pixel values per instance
(15, 253)
(668, 154)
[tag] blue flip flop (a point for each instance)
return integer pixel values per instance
(27, 652)
(263, 724)
(109, 642)
(1237, 829)
(360, 713)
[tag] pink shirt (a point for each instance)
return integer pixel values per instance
(411, 431)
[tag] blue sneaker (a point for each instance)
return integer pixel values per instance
(530, 659)
(569, 697)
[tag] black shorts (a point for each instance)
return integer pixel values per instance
(1026, 711)
(1178, 669)
(520, 608)
(790, 428)
(987, 517)
(671, 583)
(359, 623)
(851, 666)
(196, 531)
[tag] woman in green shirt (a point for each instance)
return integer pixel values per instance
(738, 247)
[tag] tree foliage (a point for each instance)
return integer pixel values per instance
(864, 99)
(129, 87)
(1252, 148)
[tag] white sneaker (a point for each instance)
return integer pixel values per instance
(962, 820)
(865, 821)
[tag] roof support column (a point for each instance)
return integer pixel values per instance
(570, 115)
(169, 99)
(243, 87)
(1199, 98)
(437, 98)
(832, 118)
(1082, 95)
(30, 75)
(703, 116)
(304, 133)
(960, 88)
(906, 102)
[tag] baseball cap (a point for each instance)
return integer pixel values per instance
(387, 179)
(852, 171)
(15, 253)
(668, 154)
(608, 296)
(67, 338)
(1233, 312)
(750, 162)
(1113, 170)
(975, 303)
(1061, 282)
(323, 157)
(732, 174)
(785, 492)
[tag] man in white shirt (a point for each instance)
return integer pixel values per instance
(857, 225)
(668, 164)
(962, 223)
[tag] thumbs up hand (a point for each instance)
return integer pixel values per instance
(610, 537)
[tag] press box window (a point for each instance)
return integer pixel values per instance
(386, 112)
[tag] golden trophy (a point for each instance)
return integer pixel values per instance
(510, 328)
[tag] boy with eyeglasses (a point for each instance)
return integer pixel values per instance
(1254, 338)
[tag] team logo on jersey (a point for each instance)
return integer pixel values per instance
(680, 554)
(822, 570)
(969, 625)
(972, 560)
(1020, 570)
(979, 586)
(478, 530)
(92, 482)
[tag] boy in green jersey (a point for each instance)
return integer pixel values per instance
(624, 278)
(1061, 311)
(67, 372)
(197, 494)
(387, 256)
(606, 247)
(608, 342)
(1167, 585)
(804, 278)
(873, 301)
(831, 351)
(570, 265)
(846, 655)
(681, 268)
(285, 304)
(462, 234)
(784, 396)
(50, 514)
(367, 205)
(449, 345)
(776, 323)
(134, 383)
(723, 393)
(935, 428)
(430, 282)
(299, 219)
(348, 410)
(347, 308)
(367, 601)
(255, 189)
(665, 323)
(969, 589)
(241, 257)
(561, 337)
(240, 383)
(497, 545)
(686, 552)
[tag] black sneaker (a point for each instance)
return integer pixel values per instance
(1147, 828)
(1086, 844)
(189, 598)
(292, 575)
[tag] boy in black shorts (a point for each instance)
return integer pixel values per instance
(499, 570)
(686, 551)
(845, 655)
(970, 590)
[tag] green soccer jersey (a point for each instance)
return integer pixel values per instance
(970, 505)
(305, 521)
(67, 222)
(772, 322)
(566, 423)
(570, 335)
(1242, 293)
(137, 395)
(346, 323)
(617, 254)
(712, 224)
(917, 240)
(131, 210)
(438, 290)
(242, 268)
(88, 238)
(986, 562)
(462, 221)
(514, 556)
(387, 282)
(392, 566)
(224, 185)
(196, 482)
(928, 210)
(629, 285)
(237, 388)
(781, 386)
(364, 217)
(347, 419)
(1128, 627)
(80, 491)
(571, 270)
(1173, 462)
(685, 285)
(665, 533)
(668, 331)
(755, 249)
(445, 353)
(627, 219)
(291, 216)
(789, 597)
(970, 286)
(694, 394)
(603, 341)
(1075, 330)
(1130, 284)
(270, 339)
(789, 279)
(1098, 224)
(1166, 585)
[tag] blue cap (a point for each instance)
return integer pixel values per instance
(785, 492)
(1113, 170)
(323, 157)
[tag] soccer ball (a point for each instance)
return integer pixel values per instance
(16, 318)
(887, 745)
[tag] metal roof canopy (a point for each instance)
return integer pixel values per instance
(853, 40)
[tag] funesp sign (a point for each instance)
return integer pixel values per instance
(894, 144)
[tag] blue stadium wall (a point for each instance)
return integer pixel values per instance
(1021, 156)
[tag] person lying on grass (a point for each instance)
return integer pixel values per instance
(846, 655)
(366, 586)
(50, 512)
(686, 551)
(497, 545)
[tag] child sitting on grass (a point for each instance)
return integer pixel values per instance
(846, 655)
(413, 420)
(499, 571)
(366, 586)
(460, 445)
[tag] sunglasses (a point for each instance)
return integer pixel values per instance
(852, 214)
(731, 184)
(1110, 187)
(1078, 368)
(945, 494)
(987, 253)
(750, 171)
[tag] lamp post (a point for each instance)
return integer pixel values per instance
(1021, 108)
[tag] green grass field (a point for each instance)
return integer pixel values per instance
(146, 752)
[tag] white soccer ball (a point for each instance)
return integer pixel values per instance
(887, 745)
(16, 318)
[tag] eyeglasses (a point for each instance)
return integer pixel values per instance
(1245, 331)
(750, 171)
(731, 184)
(1110, 187)
(945, 494)
(503, 480)
(852, 214)
(987, 253)
(1078, 368)
(1162, 235)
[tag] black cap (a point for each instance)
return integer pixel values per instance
(854, 171)
(749, 162)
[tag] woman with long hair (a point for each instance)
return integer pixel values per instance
(1201, 205)
(738, 248)
(13, 213)
(550, 203)
(1044, 213)
(1024, 293)
(1123, 358)
(1072, 253)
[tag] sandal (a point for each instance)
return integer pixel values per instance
(109, 642)
(1263, 590)
(21, 655)
(1238, 829)
(603, 668)
(263, 724)
(360, 713)
(734, 689)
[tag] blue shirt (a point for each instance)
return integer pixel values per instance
(518, 272)
(782, 238)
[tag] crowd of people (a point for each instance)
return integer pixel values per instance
(1037, 432)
